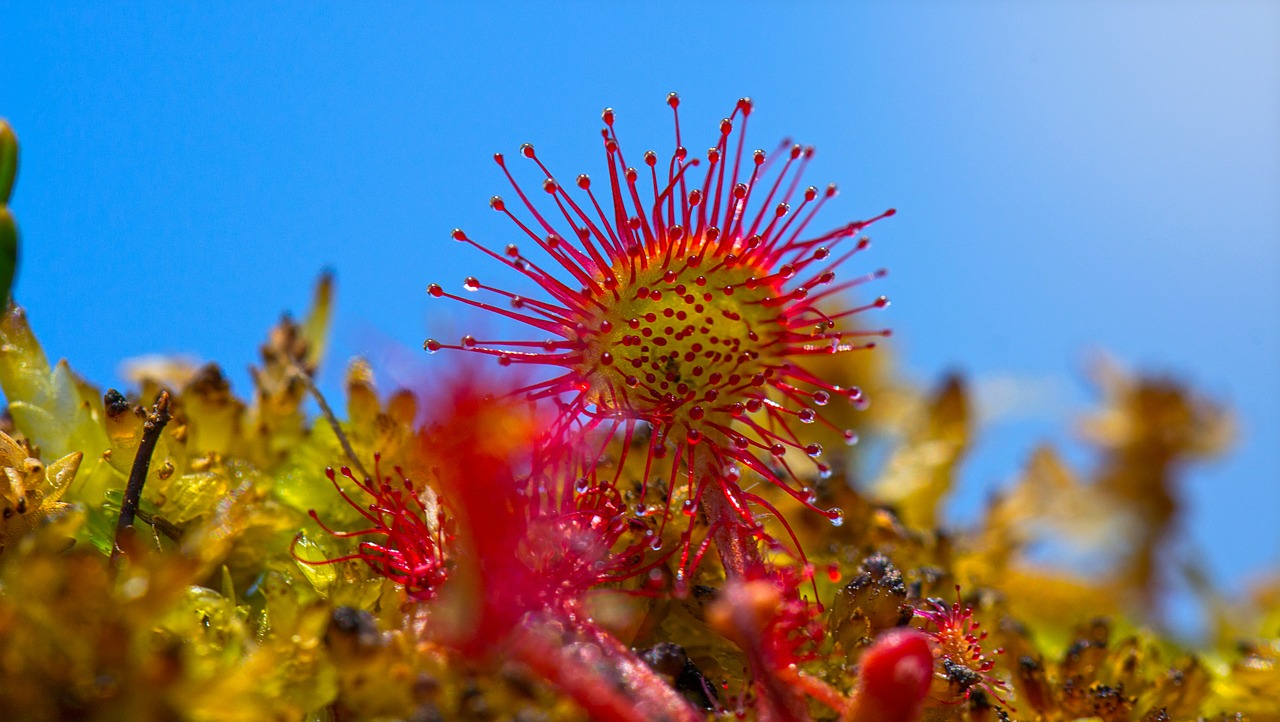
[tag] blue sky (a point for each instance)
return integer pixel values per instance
(1069, 177)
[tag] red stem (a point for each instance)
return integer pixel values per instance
(780, 698)
(632, 691)
(735, 542)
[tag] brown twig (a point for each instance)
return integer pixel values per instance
(151, 428)
(330, 417)
(161, 525)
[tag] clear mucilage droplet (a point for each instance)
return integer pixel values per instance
(836, 515)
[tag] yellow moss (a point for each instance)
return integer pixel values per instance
(223, 622)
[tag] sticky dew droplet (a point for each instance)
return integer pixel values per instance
(836, 515)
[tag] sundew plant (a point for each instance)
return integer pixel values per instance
(646, 498)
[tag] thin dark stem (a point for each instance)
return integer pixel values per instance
(161, 525)
(151, 428)
(332, 418)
